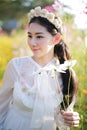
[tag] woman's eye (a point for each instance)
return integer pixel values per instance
(39, 37)
(29, 36)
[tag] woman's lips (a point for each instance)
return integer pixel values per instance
(36, 49)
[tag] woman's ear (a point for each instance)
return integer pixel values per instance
(57, 38)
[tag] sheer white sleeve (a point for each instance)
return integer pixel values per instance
(6, 91)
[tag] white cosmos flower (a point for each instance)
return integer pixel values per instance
(62, 67)
(70, 64)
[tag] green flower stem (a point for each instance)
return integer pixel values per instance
(64, 106)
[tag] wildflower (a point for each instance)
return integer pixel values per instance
(69, 64)
(85, 91)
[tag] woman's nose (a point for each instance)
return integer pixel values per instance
(33, 41)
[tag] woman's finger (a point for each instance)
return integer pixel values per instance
(71, 117)
(72, 123)
(70, 113)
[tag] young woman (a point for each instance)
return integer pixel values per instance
(34, 88)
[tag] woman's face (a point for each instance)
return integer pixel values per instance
(40, 40)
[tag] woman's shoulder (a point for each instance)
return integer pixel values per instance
(19, 60)
(24, 63)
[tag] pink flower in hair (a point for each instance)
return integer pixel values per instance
(49, 8)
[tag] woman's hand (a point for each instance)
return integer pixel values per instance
(72, 119)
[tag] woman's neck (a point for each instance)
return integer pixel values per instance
(42, 61)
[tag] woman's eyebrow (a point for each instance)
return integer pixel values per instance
(28, 32)
(37, 33)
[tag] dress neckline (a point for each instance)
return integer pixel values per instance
(53, 61)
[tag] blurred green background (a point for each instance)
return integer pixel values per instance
(13, 43)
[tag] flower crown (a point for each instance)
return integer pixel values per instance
(46, 14)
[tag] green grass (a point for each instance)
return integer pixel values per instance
(79, 53)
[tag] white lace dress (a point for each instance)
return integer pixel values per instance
(30, 95)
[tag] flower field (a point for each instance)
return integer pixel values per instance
(79, 52)
(11, 47)
(17, 46)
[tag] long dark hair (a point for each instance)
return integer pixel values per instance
(61, 50)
